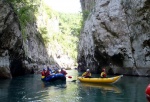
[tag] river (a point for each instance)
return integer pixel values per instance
(30, 88)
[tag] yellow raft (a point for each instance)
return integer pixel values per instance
(101, 80)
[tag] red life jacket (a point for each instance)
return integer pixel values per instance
(43, 73)
(104, 75)
(47, 73)
(63, 72)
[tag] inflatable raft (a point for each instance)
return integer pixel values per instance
(147, 92)
(55, 77)
(101, 80)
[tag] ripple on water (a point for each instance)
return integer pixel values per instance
(28, 89)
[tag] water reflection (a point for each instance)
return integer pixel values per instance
(31, 88)
(4, 84)
(58, 83)
(104, 87)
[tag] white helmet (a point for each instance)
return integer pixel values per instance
(87, 70)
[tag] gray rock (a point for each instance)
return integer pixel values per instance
(117, 32)
(19, 55)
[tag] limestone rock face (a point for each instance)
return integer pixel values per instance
(18, 55)
(87, 5)
(116, 35)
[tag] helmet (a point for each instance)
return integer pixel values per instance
(103, 69)
(87, 70)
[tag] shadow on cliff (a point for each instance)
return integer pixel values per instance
(100, 60)
(23, 47)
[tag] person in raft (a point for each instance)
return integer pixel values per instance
(103, 73)
(63, 72)
(43, 73)
(48, 71)
(86, 74)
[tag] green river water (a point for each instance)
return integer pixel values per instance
(30, 88)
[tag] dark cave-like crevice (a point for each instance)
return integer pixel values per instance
(81, 63)
(16, 68)
(16, 63)
(102, 59)
(146, 43)
(117, 59)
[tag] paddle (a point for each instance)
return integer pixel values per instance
(73, 80)
(70, 78)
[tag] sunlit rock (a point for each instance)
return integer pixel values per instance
(116, 35)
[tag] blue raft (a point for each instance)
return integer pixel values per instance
(55, 77)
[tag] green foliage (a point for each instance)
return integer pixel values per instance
(25, 10)
(26, 15)
(44, 34)
(23, 34)
(68, 35)
(49, 11)
(85, 14)
(70, 26)
(70, 23)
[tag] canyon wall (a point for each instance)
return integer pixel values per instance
(116, 35)
(19, 54)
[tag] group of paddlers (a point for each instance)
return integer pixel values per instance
(48, 72)
(88, 74)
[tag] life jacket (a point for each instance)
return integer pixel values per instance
(47, 73)
(103, 75)
(63, 72)
(87, 74)
(43, 73)
(43, 77)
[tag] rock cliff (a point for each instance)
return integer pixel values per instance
(116, 35)
(18, 54)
